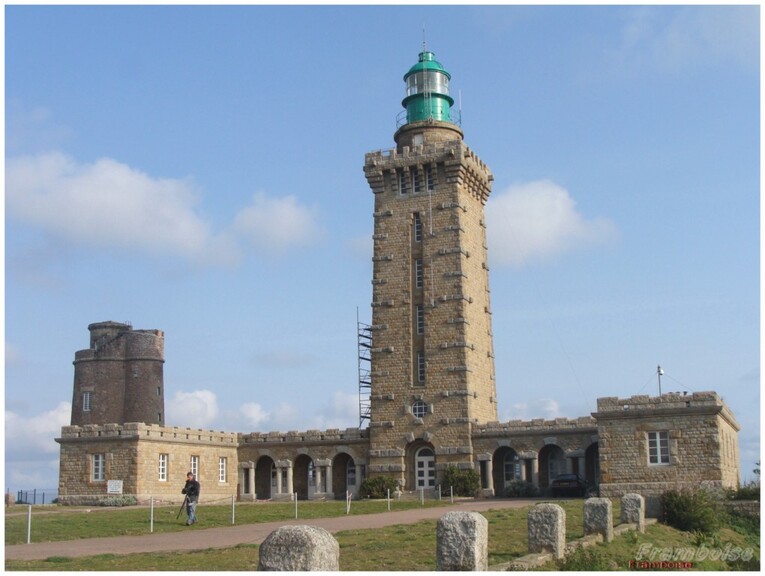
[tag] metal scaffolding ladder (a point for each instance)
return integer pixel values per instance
(364, 332)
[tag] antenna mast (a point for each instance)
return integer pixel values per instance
(659, 373)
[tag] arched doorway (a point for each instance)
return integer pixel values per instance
(264, 469)
(425, 468)
(303, 478)
(506, 467)
(552, 461)
(343, 475)
(592, 464)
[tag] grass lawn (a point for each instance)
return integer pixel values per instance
(412, 547)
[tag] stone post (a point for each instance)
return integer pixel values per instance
(490, 475)
(462, 542)
(633, 510)
(535, 471)
(523, 469)
(299, 549)
(278, 479)
(547, 529)
(598, 518)
(252, 479)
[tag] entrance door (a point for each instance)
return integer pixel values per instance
(425, 464)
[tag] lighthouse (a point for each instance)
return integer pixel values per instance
(432, 364)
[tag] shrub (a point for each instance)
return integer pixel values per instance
(118, 501)
(749, 491)
(520, 489)
(377, 487)
(589, 559)
(463, 482)
(692, 511)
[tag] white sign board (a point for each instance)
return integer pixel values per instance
(114, 486)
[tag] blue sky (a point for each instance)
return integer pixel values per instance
(199, 170)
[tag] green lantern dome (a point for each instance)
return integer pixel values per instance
(427, 91)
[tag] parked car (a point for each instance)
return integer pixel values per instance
(568, 485)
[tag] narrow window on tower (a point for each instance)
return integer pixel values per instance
(402, 178)
(429, 181)
(416, 179)
(417, 227)
(418, 273)
(86, 398)
(420, 367)
(420, 319)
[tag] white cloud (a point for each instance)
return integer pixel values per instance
(542, 408)
(538, 220)
(254, 414)
(109, 205)
(273, 224)
(692, 38)
(35, 435)
(197, 409)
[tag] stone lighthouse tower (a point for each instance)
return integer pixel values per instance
(432, 358)
(119, 378)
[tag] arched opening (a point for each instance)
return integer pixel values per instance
(592, 464)
(343, 475)
(264, 470)
(552, 461)
(506, 467)
(303, 478)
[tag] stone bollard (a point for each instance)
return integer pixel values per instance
(599, 518)
(547, 529)
(633, 510)
(462, 542)
(299, 549)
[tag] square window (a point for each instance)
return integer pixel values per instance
(430, 182)
(162, 471)
(402, 184)
(222, 469)
(658, 448)
(98, 467)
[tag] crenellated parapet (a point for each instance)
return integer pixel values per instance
(538, 426)
(141, 431)
(674, 403)
(331, 436)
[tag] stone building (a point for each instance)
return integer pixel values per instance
(433, 400)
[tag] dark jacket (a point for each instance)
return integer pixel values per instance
(191, 490)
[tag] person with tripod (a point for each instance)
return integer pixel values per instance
(191, 490)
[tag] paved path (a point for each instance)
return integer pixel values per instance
(224, 537)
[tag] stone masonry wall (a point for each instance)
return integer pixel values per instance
(132, 455)
(458, 389)
(698, 426)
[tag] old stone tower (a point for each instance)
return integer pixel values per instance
(432, 358)
(120, 377)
